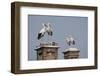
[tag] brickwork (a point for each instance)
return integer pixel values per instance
(48, 51)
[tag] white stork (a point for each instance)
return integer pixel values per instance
(46, 29)
(42, 31)
(49, 29)
(70, 40)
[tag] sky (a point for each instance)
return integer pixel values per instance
(62, 26)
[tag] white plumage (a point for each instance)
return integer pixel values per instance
(70, 40)
(46, 29)
(49, 29)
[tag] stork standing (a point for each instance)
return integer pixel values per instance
(70, 40)
(49, 32)
(49, 29)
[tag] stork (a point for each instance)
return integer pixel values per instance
(70, 40)
(42, 31)
(46, 29)
(49, 29)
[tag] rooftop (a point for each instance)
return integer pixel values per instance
(71, 49)
(50, 44)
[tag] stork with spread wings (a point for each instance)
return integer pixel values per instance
(46, 29)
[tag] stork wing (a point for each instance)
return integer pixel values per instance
(41, 33)
(39, 36)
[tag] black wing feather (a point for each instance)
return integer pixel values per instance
(39, 35)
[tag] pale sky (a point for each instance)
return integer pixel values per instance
(62, 26)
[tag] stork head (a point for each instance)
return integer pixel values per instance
(44, 25)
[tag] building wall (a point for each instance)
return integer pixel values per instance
(47, 53)
(71, 54)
